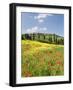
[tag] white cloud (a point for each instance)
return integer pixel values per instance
(36, 29)
(32, 30)
(40, 20)
(41, 17)
(44, 29)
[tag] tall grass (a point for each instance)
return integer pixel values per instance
(41, 59)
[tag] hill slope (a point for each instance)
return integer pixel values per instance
(41, 59)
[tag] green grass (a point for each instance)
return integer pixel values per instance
(41, 59)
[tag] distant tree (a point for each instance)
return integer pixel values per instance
(26, 36)
(62, 41)
(50, 39)
(54, 38)
(38, 36)
(58, 41)
(44, 36)
(23, 37)
(33, 36)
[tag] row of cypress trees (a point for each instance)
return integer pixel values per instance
(48, 38)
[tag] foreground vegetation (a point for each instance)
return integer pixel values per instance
(41, 59)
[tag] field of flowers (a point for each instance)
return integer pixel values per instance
(41, 59)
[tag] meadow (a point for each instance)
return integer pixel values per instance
(41, 59)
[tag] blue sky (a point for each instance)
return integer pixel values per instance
(42, 23)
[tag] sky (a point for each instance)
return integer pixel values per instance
(42, 23)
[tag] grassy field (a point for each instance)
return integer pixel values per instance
(41, 59)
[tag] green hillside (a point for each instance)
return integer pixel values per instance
(47, 38)
(41, 59)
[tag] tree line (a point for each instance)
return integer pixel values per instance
(46, 38)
